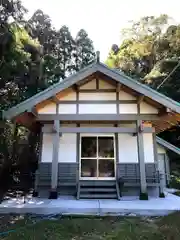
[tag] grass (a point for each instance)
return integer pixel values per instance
(89, 228)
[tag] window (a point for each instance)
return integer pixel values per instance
(97, 159)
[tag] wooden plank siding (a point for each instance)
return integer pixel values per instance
(67, 176)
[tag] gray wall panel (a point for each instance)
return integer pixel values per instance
(67, 174)
(130, 172)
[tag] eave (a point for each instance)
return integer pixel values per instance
(167, 145)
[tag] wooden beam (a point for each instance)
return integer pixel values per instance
(55, 127)
(97, 83)
(75, 87)
(97, 117)
(164, 111)
(96, 101)
(155, 148)
(48, 129)
(55, 99)
(54, 167)
(167, 169)
(142, 169)
(34, 111)
(96, 90)
(141, 159)
(86, 80)
(140, 99)
(118, 87)
(55, 158)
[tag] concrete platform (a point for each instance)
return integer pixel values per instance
(69, 206)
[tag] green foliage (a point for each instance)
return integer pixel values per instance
(149, 52)
(146, 43)
(84, 51)
(175, 180)
(33, 56)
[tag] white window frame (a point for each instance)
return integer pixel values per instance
(97, 157)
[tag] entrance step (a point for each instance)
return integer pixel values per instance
(101, 189)
(98, 189)
(98, 196)
(97, 183)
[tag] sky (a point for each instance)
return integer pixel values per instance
(102, 19)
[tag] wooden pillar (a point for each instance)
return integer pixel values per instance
(55, 156)
(142, 169)
(155, 150)
(167, 169)
(160, 176)
(161, 185)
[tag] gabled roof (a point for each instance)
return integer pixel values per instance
(167, 145)
(84, 73)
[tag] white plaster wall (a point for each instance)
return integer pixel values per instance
(126, 96)
(89, 85)
(67, 148)
(47, 148)
(97, 108)
(147, 109)
(103, 84)
(95, 96)
(160, 149)
(128, 152)
(148, 147)
(67, 95)
(128, 108)
(48, 109)
(67, 109)
(130, 125)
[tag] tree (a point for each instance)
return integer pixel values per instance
(65, 49)
(150, 53)
(33, 55)
(84, 53)
(138, 52)
(39, 26)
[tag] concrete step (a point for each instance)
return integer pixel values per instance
(97, 183)
(98, 196)
(97, 189)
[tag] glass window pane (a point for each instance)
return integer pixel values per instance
(88, 168)
(106, 168)
(106, 147)
(88, 147)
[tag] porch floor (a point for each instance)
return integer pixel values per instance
(66, 205)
